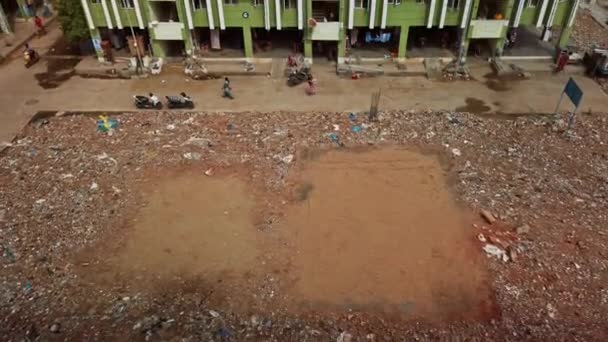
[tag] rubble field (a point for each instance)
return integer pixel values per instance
(305, 227)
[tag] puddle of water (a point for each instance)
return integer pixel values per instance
(190, 226)
(475, 106)
(380, 229)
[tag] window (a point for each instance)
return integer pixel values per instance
(289, 4)
(394, 2)
(360, 3)
(453, 4)
(532, 3)
(127, 3)
(258, 2)
(231, 2)
(199, 4)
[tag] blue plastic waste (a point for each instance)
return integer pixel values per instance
(357, 129)
(104, 124)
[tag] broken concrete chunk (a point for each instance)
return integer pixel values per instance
(523, 229)
(488, 216)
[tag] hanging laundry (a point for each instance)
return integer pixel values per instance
(383, 37)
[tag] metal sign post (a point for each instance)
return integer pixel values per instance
(575, 94)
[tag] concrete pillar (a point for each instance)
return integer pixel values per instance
(308, 50)
(4, 26)
(186, 32)
(307, 34)
(342, 14)
(247, 42)
(567, 22)
(188, 43)
(403, 34)
(464, 33)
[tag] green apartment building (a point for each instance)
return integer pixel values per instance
(250, 29)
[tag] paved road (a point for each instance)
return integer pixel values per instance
(21, 95)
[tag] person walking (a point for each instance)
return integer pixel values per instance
(226, 89)
(39, 26)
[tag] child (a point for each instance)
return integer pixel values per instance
(227, 91)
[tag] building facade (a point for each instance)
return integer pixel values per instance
(174, 27)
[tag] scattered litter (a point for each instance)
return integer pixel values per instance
(551, 311)
(94, 186)
(456, 152)
(105, 156)
(192, 155)
(344, 337)
(496, 251)
(523, 229)
(214, 314)
(356, 129)
(481, 237)
(200, 142)
(352, 116)
(209, 172)
(336, 127)
(287, 159)
(67, 175)
(171, 127)
(116, 190)
(55, 328)
(8, 254)
(106, 125)
(223, 333)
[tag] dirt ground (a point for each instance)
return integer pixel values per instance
(316, 226)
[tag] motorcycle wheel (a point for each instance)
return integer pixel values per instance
(191, 105)
(158, 106)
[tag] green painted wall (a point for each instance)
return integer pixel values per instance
(409, 12)
(529, 15)
(233, 15)
(405, 15)
(126, 14)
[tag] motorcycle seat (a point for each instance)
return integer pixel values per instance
(175, 98)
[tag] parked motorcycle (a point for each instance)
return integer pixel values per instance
(31, 57)
(303, 74)
(181, 101)
(150, 101)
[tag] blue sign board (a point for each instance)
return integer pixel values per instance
(574, 92)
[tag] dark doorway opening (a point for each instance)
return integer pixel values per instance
(276, 43)
(433, 42)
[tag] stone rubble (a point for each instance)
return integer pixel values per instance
(522, 170)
